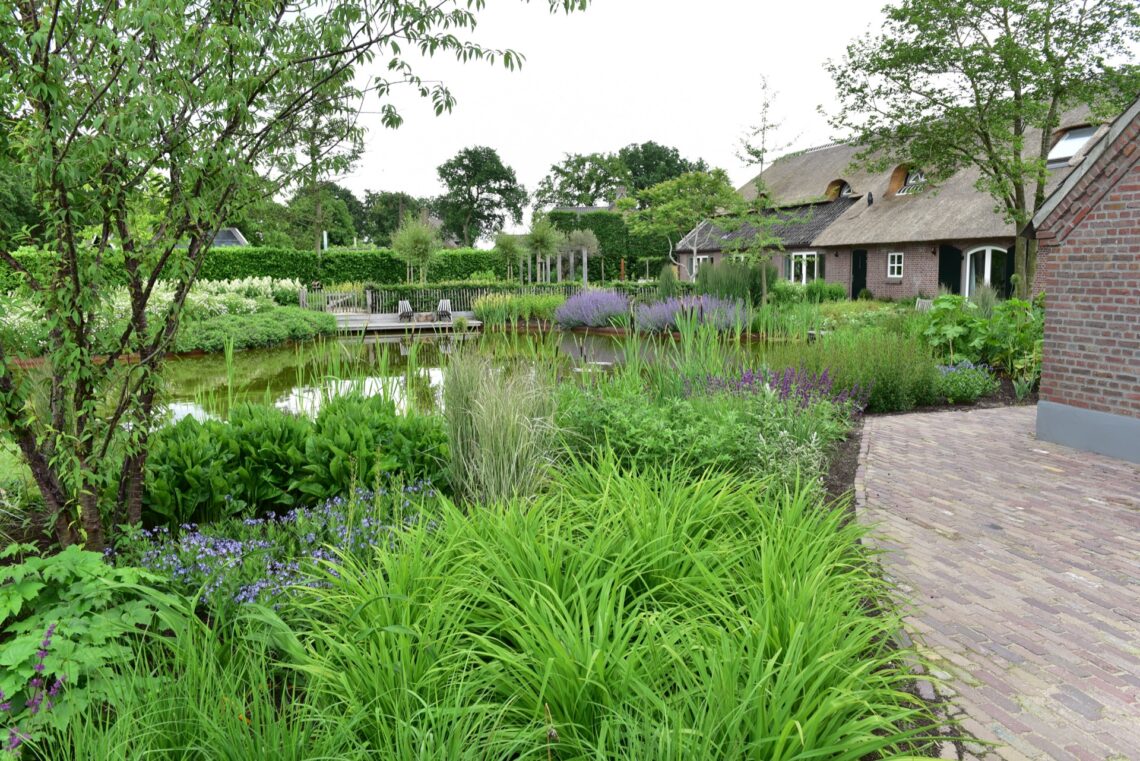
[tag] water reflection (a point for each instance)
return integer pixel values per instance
(301, 378)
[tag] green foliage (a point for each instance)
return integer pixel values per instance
(783, 292)
(582, 180)
(951, 323)
(615, 241)
(669, 210)
(90, 608)
(266, 460)
(204, 690)
(667, 283)
(898, 371)
(335, 266)
(964, 383)
(503, 308)
(650, 163)
(818, 291)
(363, 441)
(416, 242)
(731, 279)
(271, 327)
(865, 294)
(500, 429)
(1012, 339)
(480, 194)
(383, 212)
(624, 615)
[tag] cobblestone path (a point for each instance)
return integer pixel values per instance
(1022, 559)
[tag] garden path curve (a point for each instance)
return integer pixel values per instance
(1022, 559)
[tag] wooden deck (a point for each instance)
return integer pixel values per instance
(362, 322)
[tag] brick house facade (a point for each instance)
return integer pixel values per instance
(1088, 234)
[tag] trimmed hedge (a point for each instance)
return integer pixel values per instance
(334, 266)
(614, 240)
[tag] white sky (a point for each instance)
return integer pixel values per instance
(678, 72)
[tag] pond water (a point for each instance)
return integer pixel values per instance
(300, 377)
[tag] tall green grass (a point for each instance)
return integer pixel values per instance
(500, 426)
(620, 616)
(203, 692)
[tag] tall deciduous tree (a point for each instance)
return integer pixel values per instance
(582, 180)
(383, 212)
(982, 84)
(650, 163)
(481, 193)
(672, 208)
(142, 126)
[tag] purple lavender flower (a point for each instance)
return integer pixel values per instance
(662, 316)
(591, 309)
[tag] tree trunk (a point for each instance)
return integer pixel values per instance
(1020, 265)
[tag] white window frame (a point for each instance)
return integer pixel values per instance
(892, 264)
(987, 262)
(1068, 145)
(803, 256)
(914, 182)
(698, 260)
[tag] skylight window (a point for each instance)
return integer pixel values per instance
(915, 182)
(1069, 145)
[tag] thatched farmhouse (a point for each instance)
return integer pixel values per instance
(889, 232)
(1089, 267)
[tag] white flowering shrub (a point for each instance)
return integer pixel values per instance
(20, 321)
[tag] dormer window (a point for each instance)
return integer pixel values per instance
(1070, 144)
(915, 182)
(839, 189)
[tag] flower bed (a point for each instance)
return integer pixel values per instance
(664, 316)
(593, 309)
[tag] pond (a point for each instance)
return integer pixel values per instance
(298, 378)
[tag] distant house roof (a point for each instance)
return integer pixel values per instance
(230, 236)
(796, 227)
(953, 210)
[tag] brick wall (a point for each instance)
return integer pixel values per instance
(1089, 268)
(920, 270)
(838, 268)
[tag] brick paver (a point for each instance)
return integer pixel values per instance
(1022, 560)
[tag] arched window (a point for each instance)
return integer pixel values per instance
(1069, 144)
(838, 189)
(986, 265)
(915, 182)
(906, 180)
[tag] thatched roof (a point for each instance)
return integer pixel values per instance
(796, 227)
(953, 210)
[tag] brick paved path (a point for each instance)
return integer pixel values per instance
(1023, 561)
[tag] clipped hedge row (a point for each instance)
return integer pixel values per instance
(334, 266)
(615, 241)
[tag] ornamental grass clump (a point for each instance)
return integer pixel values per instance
(592, 309)
(665, 316)
(640, 615)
